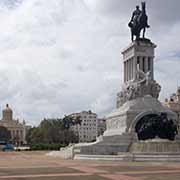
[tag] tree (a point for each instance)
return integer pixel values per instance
(34, 136)
(5, 135)
(53, 131)
(69, 121)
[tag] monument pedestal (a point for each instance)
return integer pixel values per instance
(137, 105)
(121, 123)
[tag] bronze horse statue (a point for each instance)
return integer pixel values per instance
(140, 23)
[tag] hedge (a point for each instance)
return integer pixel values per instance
(46, 146)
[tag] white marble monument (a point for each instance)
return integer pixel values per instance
(139, 116)
(138, 98)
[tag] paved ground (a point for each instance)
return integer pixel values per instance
(37, 166)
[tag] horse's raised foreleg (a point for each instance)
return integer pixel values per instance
(144, 30)
(132, 36)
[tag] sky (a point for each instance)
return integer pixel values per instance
(63, 56)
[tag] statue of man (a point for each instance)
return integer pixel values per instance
(148, 78)
(135, 15)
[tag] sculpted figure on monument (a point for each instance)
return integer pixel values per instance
(138, 22)
(142, 77)
(142, 85)
(156, 126)
(156, 88)
(148, 78)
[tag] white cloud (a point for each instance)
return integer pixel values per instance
(62, 56)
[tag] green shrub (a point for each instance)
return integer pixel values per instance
(36, 147)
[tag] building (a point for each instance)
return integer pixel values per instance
(17, 129)
(87, 130)
(173, 102)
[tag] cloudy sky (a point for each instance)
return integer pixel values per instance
(63, 56)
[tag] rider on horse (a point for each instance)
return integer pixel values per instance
(135, 15)
(139, 21)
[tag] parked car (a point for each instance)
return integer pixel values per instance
(2, 144)
(22, 148)
(8, 147)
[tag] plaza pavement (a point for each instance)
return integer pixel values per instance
(38, 166)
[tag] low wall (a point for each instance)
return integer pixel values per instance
(155, 146)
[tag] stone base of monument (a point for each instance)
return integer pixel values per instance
(120, 133)
(155, 146)
(162, 151)
(159, 150)
(139, 115)
(133, 157)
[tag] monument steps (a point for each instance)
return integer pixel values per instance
(133, 157)
(106, 145)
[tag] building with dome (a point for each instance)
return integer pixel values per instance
(17, 129)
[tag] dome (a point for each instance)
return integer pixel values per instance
(7, 113)
(7, 109)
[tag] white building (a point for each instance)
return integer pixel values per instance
(16, 128)
(174, 103)
(87, 131)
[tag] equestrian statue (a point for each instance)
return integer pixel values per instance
(138, 22)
